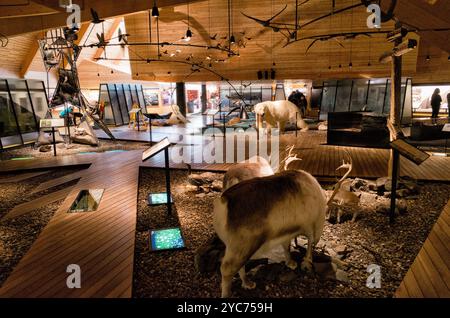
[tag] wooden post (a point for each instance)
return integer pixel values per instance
(54, 141)
(167, 173)
(394, 118)
(396, 89)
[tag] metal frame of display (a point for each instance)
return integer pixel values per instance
(163, 145)
(11, 102)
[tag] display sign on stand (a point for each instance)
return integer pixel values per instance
(50, 124)
(400, 146)
(160, 198)
(409, 151)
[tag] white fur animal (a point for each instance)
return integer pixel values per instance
(342, 197)
(278, 114)
(255, 215)
(252, 168)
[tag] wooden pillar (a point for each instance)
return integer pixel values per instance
(181, 97)
(203, 98)
(396, 103)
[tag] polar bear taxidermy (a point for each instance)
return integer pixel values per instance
(278, 114)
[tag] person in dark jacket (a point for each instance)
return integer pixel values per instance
(436, 101)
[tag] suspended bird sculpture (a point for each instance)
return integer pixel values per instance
(95, 18)
(267, 23)
(101, 40)
(123, 37)
(334, 36)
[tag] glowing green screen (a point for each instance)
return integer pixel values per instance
(166, 239)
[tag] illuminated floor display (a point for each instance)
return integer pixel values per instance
(166, 239)
(87, 200)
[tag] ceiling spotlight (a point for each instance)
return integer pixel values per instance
(448, 58)
(148, 61)
(232, 39)
(329, 67)
(428, 58)
(155, 11)
(350, 64)
(112, 72)
(137, 74)
(188, 35)
(340, 65)
(98, 74)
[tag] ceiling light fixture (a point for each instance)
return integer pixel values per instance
(188, 32)
(155, 11)
(428, 58)
(350, 65)
(232, 39)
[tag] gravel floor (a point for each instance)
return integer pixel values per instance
(62, 149)
(370, 240)
(173, 274)
(18, 234)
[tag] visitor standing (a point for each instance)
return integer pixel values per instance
(436, 101)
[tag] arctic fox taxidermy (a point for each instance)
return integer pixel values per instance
(278, 114)
(255, 215)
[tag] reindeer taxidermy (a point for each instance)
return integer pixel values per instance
(255, 215)
(342, 197)
(290, 158)
(254, 167)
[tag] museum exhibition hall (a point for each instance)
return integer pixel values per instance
(130, 130)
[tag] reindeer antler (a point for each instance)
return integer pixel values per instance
(345, 165)
(289, 157)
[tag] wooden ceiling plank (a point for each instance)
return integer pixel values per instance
(105, 8)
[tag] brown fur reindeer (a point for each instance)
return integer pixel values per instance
(257, 214)
(247, 170)
(253, 168)
(343, 197)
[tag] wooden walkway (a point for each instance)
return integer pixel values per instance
(317, 158)
(429, 275)
(100, 242)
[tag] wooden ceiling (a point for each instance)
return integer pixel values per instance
(263, 48)
(19, 17)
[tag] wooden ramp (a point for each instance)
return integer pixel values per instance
(47, 162)
(23, 176)
(429, 275)
(40, 202)
(100, 242)
(58, 181)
